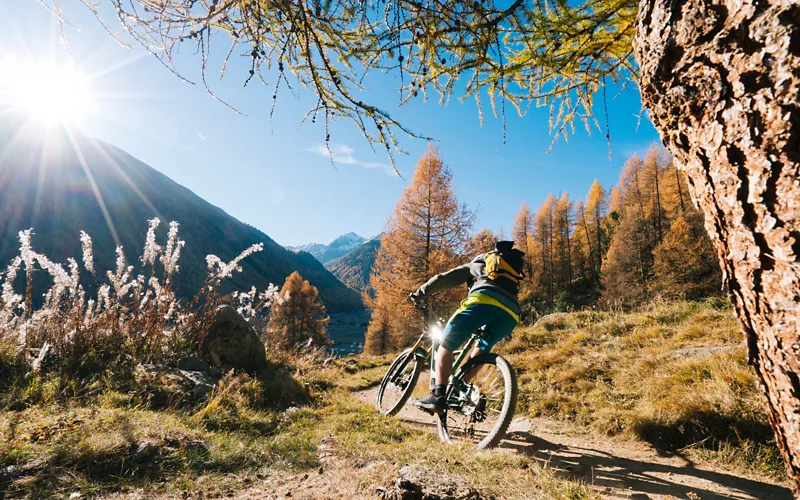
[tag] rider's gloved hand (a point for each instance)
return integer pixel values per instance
(417, 299)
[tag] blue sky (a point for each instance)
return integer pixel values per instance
(272, 175)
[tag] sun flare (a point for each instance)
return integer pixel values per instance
(48, 90)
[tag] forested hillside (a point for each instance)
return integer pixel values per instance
(76, 183)
(354, 268)
(645, 239)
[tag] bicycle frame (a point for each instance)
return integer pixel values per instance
(424, 354)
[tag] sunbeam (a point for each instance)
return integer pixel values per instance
(53, 92)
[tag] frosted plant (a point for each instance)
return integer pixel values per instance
(74, 277)
(61, 279)
(141, 309)
(219, 270)
(88, 255)
(26, 253)
(11, 299)
(120, 277)
(155, 285)
(103, 297)
(151, 248)
(173, 251)
(36, 363)
(269, 295)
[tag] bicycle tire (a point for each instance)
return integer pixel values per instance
(416, 370)
(497, 433)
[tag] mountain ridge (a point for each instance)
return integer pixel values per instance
(339, 247)
(63, 182)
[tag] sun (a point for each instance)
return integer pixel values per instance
(48, 90)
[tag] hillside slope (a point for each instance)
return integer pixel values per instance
(674, 375)
(354, 268)
(63, 182)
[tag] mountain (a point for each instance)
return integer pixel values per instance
(63, 182)
(340, 246)
(354, 268)
(312, 248)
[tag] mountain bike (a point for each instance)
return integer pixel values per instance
(481, 394)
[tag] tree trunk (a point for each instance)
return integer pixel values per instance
(721, 81)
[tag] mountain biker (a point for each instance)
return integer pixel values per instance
(493, 280)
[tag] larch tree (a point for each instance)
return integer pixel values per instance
(544, 266)
(652, 173)
(562, 215)
(481, 242)
(297, 319)
(522, 233)
(721, 81)
(628, 265)
(596, 211)
(428, 233)
(377, 341)
(591, 257)
(684, 262)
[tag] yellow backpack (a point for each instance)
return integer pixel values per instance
(504, 273)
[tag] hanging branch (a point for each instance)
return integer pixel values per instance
(527, 53)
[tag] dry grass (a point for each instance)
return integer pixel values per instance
(674, 375)
(114, 440)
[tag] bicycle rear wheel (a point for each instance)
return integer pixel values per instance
(480, 403)
(398, 383)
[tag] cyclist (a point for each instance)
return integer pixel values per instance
(492, 304)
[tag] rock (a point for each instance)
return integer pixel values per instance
(145, 451)
(194, 364)
(418, 483)
(231, 341)
(702, 352)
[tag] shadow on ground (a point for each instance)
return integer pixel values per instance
(619, 477)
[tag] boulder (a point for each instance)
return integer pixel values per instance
(232, 342)
(418, 483)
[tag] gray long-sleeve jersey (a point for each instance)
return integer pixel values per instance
(474, 275)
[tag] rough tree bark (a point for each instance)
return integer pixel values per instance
(721, 80)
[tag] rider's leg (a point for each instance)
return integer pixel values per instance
(461, 325)
(499, 325)
(444, 365)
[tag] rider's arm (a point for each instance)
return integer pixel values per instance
(450, 279)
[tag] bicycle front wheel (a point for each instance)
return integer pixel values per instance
(480, 403)
(398, 383)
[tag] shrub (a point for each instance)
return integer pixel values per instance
(132, 318)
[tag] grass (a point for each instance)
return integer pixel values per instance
(674, 375)
(105, 435)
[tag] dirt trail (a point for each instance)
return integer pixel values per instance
(616, 468)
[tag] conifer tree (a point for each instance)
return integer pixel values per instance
(562, 215)
(684, 261)
(481, 242)
(627, 268)
(544, 225)
(377, 341)
(521, 230)
(428, 233)
(596, 211)
(298, 319)
(591, 260)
